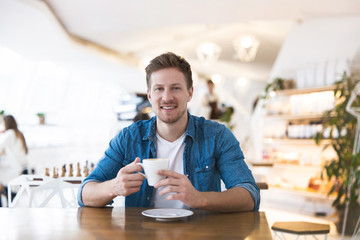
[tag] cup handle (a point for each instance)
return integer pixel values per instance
(140, 164)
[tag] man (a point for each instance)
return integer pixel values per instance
(200, 153)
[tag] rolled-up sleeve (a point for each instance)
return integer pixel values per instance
(233, 169)
(79, 198)
(107, 167)
(254, 192)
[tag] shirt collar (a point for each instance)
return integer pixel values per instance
(190, 129)
(151, 132)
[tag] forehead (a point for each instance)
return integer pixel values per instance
(167, 76)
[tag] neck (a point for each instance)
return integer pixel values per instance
(172, 131)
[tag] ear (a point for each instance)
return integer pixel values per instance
(190, 91)
(148, 95)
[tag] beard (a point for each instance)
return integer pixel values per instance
(171, 119)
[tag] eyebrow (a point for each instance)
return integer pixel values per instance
(171, 85)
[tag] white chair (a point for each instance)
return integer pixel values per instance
(55, 187)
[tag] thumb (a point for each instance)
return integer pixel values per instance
(137, 160)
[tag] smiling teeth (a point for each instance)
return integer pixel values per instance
(168, 107)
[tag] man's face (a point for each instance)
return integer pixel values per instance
(168, 95)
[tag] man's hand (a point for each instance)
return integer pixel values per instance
(126, 181)
(180, 187)
(99, 194)
(232, 200)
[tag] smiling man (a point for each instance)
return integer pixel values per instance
(201, 153)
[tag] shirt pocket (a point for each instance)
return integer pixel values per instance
(205, 174)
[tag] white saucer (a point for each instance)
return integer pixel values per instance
(167, 214)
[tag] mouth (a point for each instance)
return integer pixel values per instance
(168, 108)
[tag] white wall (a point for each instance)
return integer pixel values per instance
(318, 44)
(42, 70)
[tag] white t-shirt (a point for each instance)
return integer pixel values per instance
(15, 158)
(174, 151)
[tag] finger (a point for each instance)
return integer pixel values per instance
(170, 189)
(175, 196)
(132, 167)
(169, 173)
(168, 181)
(137, 160)
(132, 184)
(134, 177)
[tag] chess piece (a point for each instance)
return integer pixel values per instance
(71, 170)
(92, 167)
(86, 171)
(63, 171)
(78, 174)
(47, 172)
(55, 172)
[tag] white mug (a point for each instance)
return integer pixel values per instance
(151, 166)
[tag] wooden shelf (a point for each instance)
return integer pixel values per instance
(262, 164)
(302, 192)
(296, 141)
(297, 166)
(284, 165)
(308, 158)
(294, 117)
(304, 91)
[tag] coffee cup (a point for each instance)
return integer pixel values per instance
(151, 167)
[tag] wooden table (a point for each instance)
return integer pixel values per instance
(127, 223)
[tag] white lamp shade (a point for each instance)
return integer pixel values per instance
(246, 47)
(208, 52)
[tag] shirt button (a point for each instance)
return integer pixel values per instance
(207, 167)
(148, 198)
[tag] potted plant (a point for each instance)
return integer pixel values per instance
(226, 118)
(276, 84)
(342, 126)
(41, 118)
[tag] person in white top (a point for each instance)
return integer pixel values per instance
(13, 151)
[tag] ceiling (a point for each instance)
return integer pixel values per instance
(133, 30)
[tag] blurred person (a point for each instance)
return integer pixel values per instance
(13, 152)
(201, 153)
(210, 102)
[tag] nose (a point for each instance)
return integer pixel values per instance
(167, 95)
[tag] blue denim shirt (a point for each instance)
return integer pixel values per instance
(211, 152)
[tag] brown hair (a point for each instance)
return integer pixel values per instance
(10, 123)
(169, 60)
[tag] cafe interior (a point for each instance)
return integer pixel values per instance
(72, 74)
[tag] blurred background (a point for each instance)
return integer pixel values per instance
(81, 63)
(72, 74)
